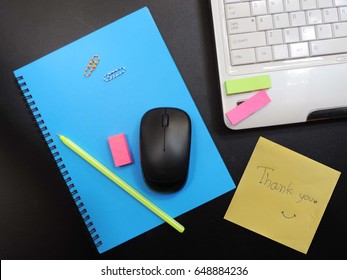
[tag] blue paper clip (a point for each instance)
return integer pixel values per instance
(114, 74)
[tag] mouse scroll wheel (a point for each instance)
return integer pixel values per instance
(165, 120)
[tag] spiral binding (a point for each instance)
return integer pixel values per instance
(24, 90)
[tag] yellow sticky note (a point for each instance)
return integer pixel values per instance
(282, 195)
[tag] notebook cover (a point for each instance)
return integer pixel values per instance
(89, 110)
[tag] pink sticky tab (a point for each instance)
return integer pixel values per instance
(248, 107)
(120, 150)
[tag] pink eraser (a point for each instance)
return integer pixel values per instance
(120, 150)
(250, 106)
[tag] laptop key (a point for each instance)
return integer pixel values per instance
(333, 46)
(247, 40)
(280, 52)
(298, 50)
(245, 56)
(339, 3)
(340, 29)
(241, 25)
(237, 10)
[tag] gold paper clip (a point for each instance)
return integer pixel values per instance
(93, 63)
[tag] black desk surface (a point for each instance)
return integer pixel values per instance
(38, 218)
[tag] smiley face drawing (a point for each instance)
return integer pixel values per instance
(288, 216)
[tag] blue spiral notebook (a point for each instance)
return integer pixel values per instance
(88, 110)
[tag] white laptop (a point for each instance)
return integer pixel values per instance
(301, 44)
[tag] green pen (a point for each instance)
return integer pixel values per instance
(125, 186)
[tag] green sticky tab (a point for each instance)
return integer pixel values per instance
(248, 84)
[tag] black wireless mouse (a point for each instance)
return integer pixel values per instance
(165, 136)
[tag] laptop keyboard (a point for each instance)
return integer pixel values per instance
(281, 30)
